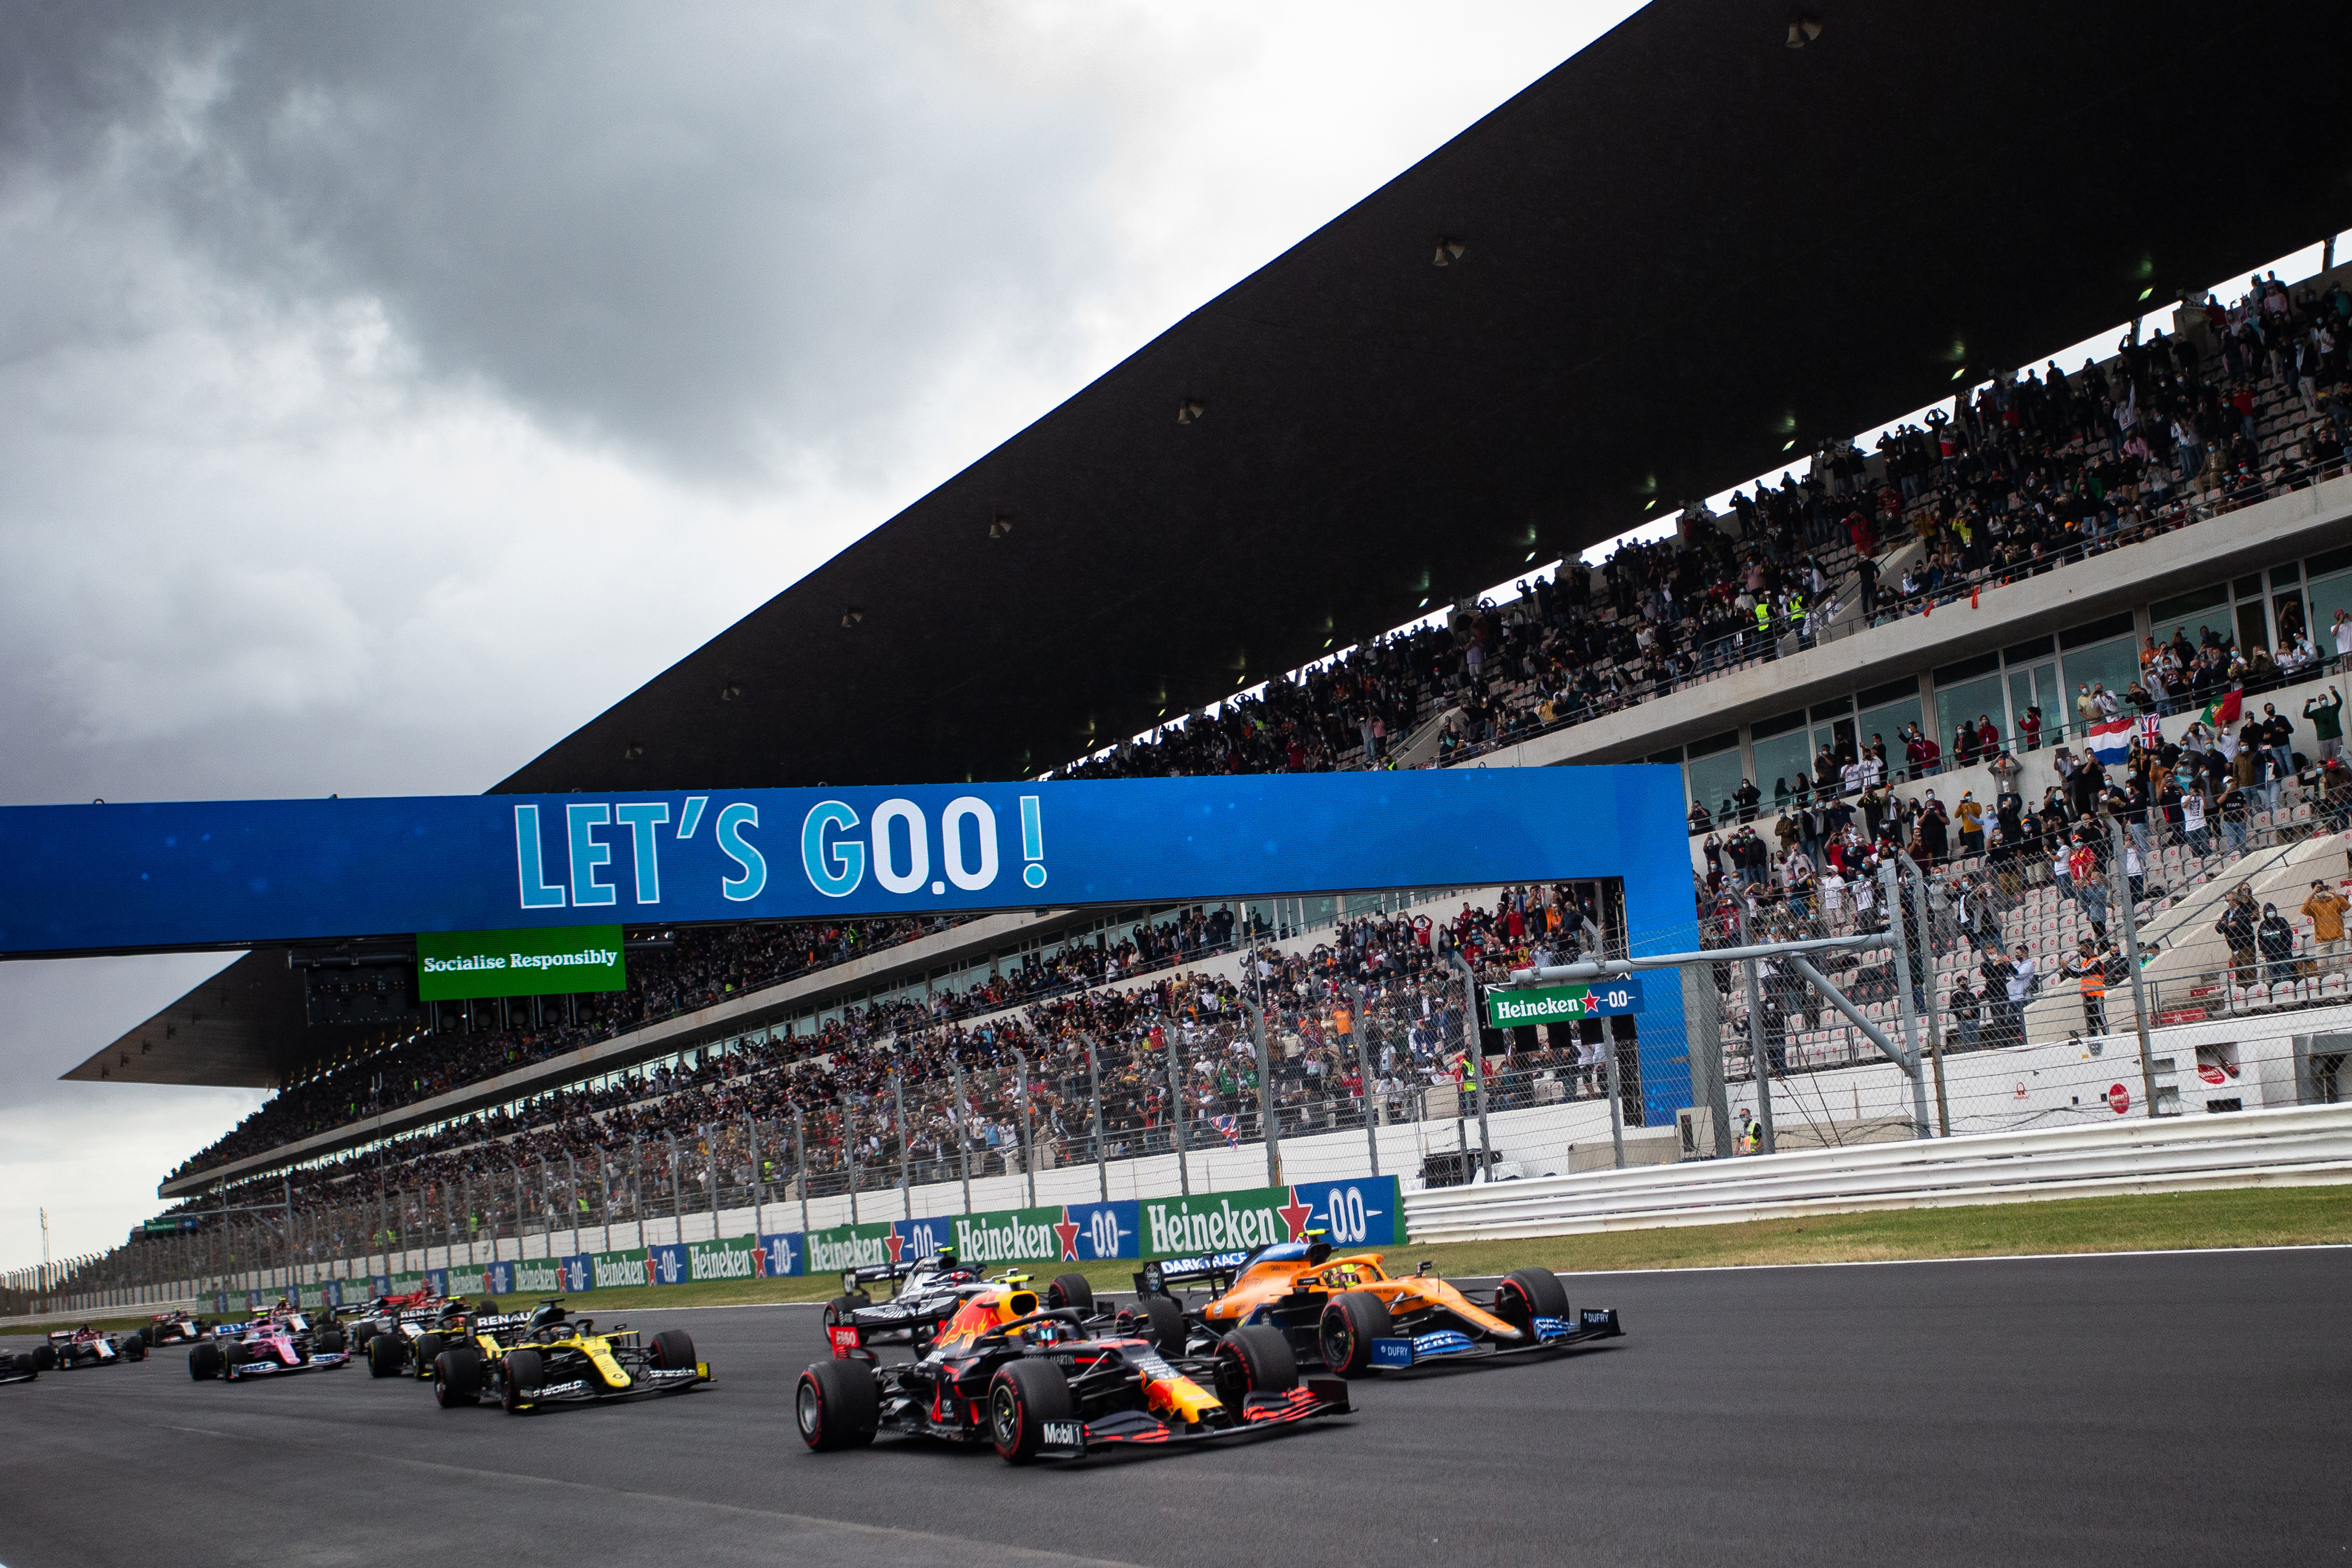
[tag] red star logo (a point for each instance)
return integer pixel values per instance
(1067, 1233)
(894, 1241)
(1295, 1215)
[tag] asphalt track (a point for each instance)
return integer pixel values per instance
(2129, 1409)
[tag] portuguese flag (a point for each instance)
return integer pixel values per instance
(2226, 708)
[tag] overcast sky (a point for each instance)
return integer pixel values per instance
(386, 391)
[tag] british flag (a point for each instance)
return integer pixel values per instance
(1231, 1127)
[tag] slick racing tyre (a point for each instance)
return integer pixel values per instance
(457, 1378)
(45, 1358)
(1167, 1321)
(524, 1371)
(1022, 1397)
(837, 1310)
(1352, 1322)
(237, 1354)
(1526, 1294)
(836, 1404)
(22, 1364)
(672, 1350)
(204, 1361)
(1071, 1290)
(386, 1354)
(134, 1347)
(330, 1341)
(428, 1346)
(1255, 1360)
(361, 1336)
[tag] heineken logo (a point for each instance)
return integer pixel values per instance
(613, 1271)
(983, 1240)
(1191, 1225)
(833, 1254)
(1564, 1004)
(718, 1262)
(540, 1274)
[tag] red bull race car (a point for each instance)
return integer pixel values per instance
(1035, 1382)
(284, 1341)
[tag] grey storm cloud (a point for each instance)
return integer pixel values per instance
(735, 241)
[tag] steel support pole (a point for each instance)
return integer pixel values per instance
(711, 1154)
(1175, 1068)
(962, 1130)
(1760, 1071)
(1269, 1115)
(906, 1172)
(1890, 885)
(1935, 1025)
(1028, 1133)
(800, 1164)
(1094, 1094)
(1616, 1096)
(1364, 1078)
(2130, 924)
(676, 1199)
(759, 1176)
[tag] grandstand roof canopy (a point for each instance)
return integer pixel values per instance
(1687, 254)
(1683, 250)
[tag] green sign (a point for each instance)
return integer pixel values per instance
(846, 1247)
(454, 965)
(1223, 1222)
(1563, 1004)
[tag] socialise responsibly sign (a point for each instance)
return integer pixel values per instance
(1361, 1213)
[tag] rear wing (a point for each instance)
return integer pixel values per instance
(497, 1323)
(1216, 1269)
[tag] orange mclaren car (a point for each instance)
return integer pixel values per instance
(1350, 1315)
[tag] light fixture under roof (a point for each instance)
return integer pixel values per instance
(1448, 252)
(1803, 28)
(1190, 409)
(999, 527)
(852, 616)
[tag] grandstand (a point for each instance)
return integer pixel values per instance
(2029, 547)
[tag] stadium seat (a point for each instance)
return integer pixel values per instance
(2332, 985)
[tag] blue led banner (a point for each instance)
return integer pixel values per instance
(214, 874)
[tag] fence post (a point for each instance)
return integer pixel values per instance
(1028, 1137)
(1364, 1078)
(905, 1177)
(1898, 920)
(759, 1175)
(1175, 1069)
(1760, 1071)
(800, 1164)
(2131, 962)
(1094, 1092)
(962, 1129)
(1269, 1114)
(1616, 1096)
(1934, 1026)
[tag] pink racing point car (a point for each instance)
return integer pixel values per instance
(282, 1343)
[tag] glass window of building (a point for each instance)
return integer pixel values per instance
(1784, 755)
(1714, 772)
(1885, 714)
(2104, 653)
(1965, 692)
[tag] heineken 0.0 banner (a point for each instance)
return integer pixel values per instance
(1362, 1213)
(454, 965)
(1563, 1004)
